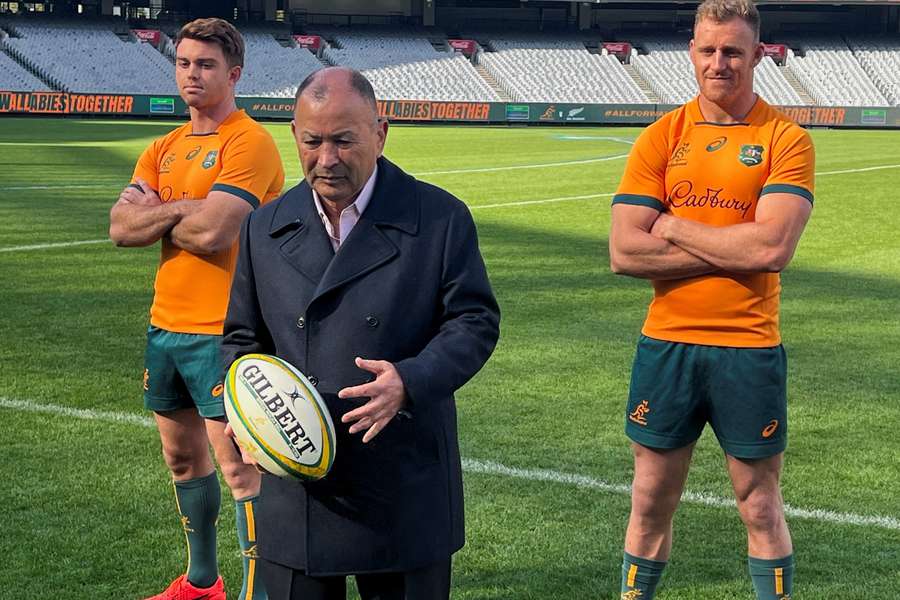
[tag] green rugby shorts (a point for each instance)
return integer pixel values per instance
(677, 388)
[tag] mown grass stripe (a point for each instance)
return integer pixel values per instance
(495, 468)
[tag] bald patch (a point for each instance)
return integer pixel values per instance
(319, 85)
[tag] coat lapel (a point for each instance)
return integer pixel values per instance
(393, 204)
(305, 243)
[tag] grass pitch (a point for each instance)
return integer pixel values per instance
(86, 501)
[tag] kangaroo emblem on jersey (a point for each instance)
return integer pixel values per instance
(638, 414)
(751, 155)
(210, 159)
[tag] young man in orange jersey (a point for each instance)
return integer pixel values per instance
(710, 209)
(192, 189)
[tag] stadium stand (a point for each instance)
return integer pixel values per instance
(832, 74)
(880, 58)
(556, 70)
(406, 65)
(668, 70)
(85, 57)
(273, 70)
(13, 76)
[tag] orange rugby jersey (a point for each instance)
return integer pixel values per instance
(715, 174)
(240, 157)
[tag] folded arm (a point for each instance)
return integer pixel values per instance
(214, 226)
(140, 218)
(765, 245)
(635, 251)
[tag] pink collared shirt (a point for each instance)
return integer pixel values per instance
(349, 216)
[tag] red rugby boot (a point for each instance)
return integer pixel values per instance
(181, 589)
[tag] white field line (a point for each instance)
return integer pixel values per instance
(860, 170)
(542, 201)
(77, 186)
(494, 468)
(474, 207)
(515, 167)
(118, 183)
(501, 205)
(56, 245)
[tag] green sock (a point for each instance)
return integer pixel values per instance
(245, 513)
(640, 577)
(198, 503)
(772, 579)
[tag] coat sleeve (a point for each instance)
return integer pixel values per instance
(468, 323)
(245, 331)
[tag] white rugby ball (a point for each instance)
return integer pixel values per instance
(278, 417)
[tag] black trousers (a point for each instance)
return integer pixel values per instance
(428, 583)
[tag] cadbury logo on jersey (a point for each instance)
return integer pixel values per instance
(683, 194)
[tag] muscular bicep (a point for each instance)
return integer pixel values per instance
(214, 226)
(784, 215)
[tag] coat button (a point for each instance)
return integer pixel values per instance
(372, 321)
(313, 379)
(301, 322)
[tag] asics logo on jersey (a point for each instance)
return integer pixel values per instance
(716, 144)
(638, 414)
(193, 153)
(769, 430)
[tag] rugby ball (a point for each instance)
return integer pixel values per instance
(279, 418)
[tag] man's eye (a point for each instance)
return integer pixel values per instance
(344, 143)
(312, 143)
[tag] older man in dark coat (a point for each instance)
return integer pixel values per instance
(372, 284)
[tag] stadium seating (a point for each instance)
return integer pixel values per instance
(668, 70)
(13, 76)
(557, 69)
(83, 57)
(880, 58)
(406, 65)
(832, 74)
(272, 70)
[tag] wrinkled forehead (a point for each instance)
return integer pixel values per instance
(336, 112)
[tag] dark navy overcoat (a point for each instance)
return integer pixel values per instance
(409, 286)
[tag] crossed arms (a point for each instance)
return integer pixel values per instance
(649, 244)
(140, 218)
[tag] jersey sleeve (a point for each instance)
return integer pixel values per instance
(147, 167)
(793, 168)
(644, 180)
(251, 168)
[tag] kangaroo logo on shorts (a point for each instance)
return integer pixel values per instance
(632, 595)
(146, 380)
(638, 414)
(769, 430)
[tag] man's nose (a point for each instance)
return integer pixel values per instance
(328, 155)
(719, 61)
